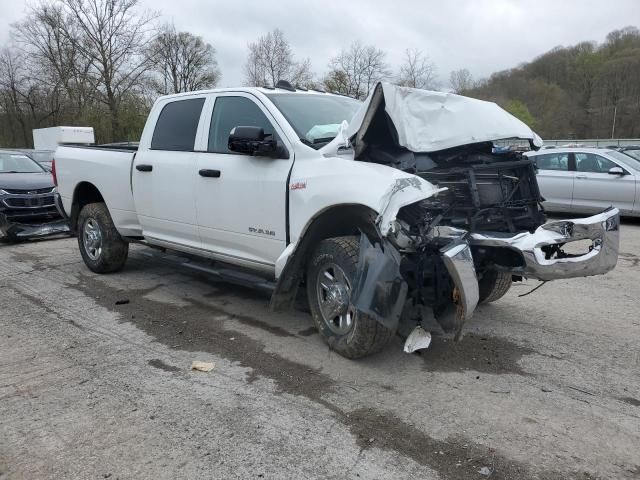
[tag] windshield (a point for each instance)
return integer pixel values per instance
(315, 118)
(630, 157)
(633, 152)
(18, 163)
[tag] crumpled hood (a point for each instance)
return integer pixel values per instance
(427, 121)
(26, 181)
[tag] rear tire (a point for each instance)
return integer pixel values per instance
(330, 275)
(494, 285)
(101, 246)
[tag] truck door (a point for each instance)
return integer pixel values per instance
(164, 175)
(242, 208)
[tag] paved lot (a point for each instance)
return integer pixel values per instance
(544, 386)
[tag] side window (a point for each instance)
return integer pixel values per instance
(590, 162)
(231, 112)
(177, 126)
(553, 161)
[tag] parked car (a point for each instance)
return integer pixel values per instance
(28, 199)
(632, 150)
(586, 180)
(387, 213)
(43, 157)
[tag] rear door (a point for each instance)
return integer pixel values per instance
(596, 189)
(164, 174)
(556, 180)
(242, 210)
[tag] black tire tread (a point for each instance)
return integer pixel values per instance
(114, 249)
(370, 336)
(494, 285)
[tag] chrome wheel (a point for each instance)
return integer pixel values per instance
(92, 239)
(334, 293)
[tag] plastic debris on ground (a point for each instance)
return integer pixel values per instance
(486, 471)
(202, 366)
(417, 340)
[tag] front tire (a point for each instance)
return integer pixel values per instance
(101, 246)
(330, 275)
(494, 285)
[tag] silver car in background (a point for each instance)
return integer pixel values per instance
(588, 180)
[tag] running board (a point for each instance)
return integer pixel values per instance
(220, 273)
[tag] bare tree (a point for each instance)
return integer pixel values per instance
(184, 62)
(271, 59)
(356, 70)
(461, 80)
(23, 100)
(417, 71)
(52, 58)
(112, 36)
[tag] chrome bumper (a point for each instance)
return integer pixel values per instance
(602, 229)
(458, 260)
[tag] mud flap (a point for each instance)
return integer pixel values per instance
(458, 260)
(379, 290)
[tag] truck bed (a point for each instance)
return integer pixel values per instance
(107, 168)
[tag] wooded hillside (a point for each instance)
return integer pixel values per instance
(575, 92)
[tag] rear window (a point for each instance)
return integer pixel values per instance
(177, 126)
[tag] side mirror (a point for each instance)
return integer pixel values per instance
(253, 141)
(616, 171)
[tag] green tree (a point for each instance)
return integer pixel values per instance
(520, 111)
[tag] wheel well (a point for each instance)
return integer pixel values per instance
(336, 221)
(84, 194)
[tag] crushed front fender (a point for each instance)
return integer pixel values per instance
(379, 291)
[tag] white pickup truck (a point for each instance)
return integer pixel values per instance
(390, 212)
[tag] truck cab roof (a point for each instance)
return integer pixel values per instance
(266, 90)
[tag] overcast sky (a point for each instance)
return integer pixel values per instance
(481, 35)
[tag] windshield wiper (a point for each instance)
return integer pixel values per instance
(9, 171)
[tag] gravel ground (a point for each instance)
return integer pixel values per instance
(95, 381)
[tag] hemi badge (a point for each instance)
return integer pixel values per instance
(298, 185)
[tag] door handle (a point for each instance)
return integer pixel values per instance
(209, 173)
(581, 176)
(144, 168)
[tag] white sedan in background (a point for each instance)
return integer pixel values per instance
(588, 180)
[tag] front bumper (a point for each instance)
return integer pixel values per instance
(17, 228)
(540, 259)
(29, 230)
(603, 230)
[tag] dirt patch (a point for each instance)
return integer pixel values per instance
(157, 363)
(245, 320)
(43, 305)
(474, 352)
(234, 290)
(307, 332)
(451, 458)
(633, 259)
(195, 328)
(630, 400)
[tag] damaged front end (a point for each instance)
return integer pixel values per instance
(401, 273)
(483, 216)
(422, 267)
